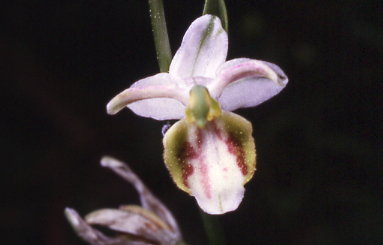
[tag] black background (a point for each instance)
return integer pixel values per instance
(319, 178)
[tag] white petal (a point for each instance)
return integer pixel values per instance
(217, 181)
(203, 49)
(245, 82)
(158, 97)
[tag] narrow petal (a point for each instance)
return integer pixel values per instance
(87, 232)
(203, 49)
(158, 97)
(130, 221)
(148, 200)
(246, 83)
(212, 164)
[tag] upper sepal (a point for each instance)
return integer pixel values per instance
(203, 49)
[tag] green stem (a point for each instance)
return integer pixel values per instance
(161, 41)
(160, 33)
(213, 229)
(181, 243)
(217, 8)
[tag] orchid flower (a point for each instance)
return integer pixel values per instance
(210, 152)
(150, 224)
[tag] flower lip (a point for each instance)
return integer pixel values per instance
(213, 163)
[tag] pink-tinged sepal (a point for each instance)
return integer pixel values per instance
(203, 49)
(213, 163)
(246, 82)
(200, 60)
(160, 97)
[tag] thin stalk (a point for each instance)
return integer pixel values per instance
(181, 243)
(213, 229)
(161, 41)
(160, 33)
(217, 8)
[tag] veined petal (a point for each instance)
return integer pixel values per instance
(203, 49)
(131, 220)
(212, 164)
(158, 97)
(148, 200)
(88, 233)
(246, 83)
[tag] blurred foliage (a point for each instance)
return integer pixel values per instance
(319, 143)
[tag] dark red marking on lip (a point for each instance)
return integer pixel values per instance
(236, 149)
(187, 170)
(187, 153)
(233, 147)
(217, 131)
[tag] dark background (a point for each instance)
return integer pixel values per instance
(319, 178)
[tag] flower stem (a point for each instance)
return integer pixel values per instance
(160, 33)
(217, 8)
(181, 243)
(213, 229)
